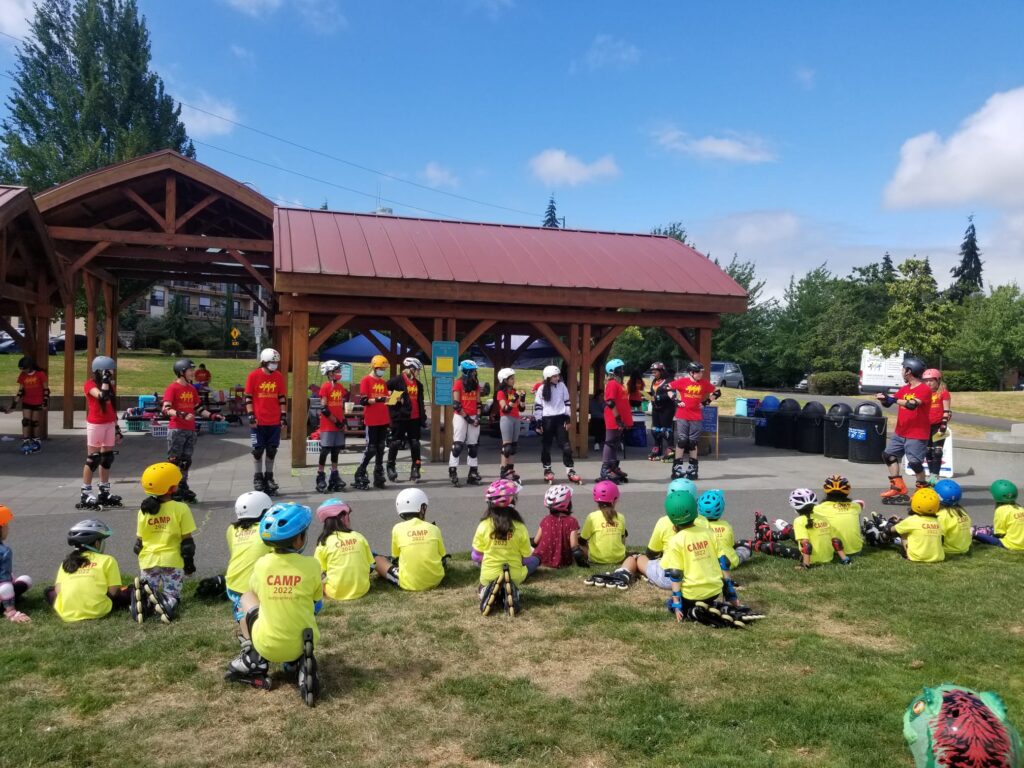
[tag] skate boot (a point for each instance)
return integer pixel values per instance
(392, 473)
(89, 500)
(321, 482)
(453, 475)
(655, 454)
(362, 481)
(162, 605)
(492, 594)
(473, 478)
(607, 473)
(678, 469)
(309, 680)
(26, 447)
(258, 484)
(580, 558)
(335, 483)
(897, 493)
(414, 474)
(270, 484)
(514, 477)
(249, 668)
(549, 476)
(106, 498)
(691, 471)
(933, 479)
(512, 604)
(762, 529)
(573, 476)
(505, 472)
(623, 474)
(618, 579)
(36, 445)
(596, 579)
(139, 607)
(378, 478)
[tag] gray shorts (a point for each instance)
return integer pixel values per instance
(181, 443)
(332, 439)
(509, 429)
(687, 431)
(656, 575)
(915, 450)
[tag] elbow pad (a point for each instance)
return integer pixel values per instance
(674, 574)
(137, 549)
(609, 403)
(717, 394)
(457, 406)
(888, 400)
(650, 554)
(104, 395)
(364, 401)
(723, 562)
(188, 547)
(806, 548)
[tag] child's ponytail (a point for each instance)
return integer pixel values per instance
(75, 560)
(608, 510)
(504, 519)
(333, 525)
(151, 505)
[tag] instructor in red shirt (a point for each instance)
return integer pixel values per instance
(913, 428)
(373, 395)
(693, 392)
(618, 417)
(266, 398)
(181, 406)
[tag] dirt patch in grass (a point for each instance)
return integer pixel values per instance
(865, 634)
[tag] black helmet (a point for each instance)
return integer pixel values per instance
(694, 367)
(915, 365)
(658, 367)
(88, 533)
(26, 364)
(182, 365)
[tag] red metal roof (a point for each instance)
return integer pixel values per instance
(370, 245)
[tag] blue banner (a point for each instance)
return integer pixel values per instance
(444, 361)
(710, 419)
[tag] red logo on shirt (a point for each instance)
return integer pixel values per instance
(283, 581)
(344, 543)
(418, 533)
(162, 520)
(698, 546)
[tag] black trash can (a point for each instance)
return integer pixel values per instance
(765, 408)
(837, 431)
(867, 432)
(810, 432)
(782, 424)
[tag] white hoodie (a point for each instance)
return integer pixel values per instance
(557, 406)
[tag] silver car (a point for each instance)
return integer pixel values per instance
(726, 374)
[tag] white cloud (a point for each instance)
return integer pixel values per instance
(607, 52)
(323, 16)
(436, 175)
(732, 146)
(243, 54)
(555, 167)
(203, 122)
(254, 7)
(14, 16)
(806, 77)
(982, 162)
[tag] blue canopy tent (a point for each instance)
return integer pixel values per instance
(359, 349)
(538, 354)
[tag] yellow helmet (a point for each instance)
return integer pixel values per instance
(925, 501)
(378, 361)
(836, 484)
(159, 479)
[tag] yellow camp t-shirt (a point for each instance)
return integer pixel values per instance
(286, 585)
(662, 533)
(819, 533)
(245, 547)
(606, 542)
(347, 560)
(924, 538)
(844, 517)
(693, 551)
(161, 535)
(497, 552)
(956, 530)
(419, 548)
(83, 594)
(1009, 523)
(725, 540)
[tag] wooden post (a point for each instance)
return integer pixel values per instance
(704, 348)
(436, 411)
(69, 360)
(283, 344)
(110, 321)
(42, 356)
(573, 383)
(583, 436)
(90, 319)
(300, 383)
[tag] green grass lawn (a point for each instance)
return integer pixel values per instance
(585, 677)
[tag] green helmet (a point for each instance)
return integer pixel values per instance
(681, 507)
(1003, 491)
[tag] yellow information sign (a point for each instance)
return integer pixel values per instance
(445, 365)
(235, 333)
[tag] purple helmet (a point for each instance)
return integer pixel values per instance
(606, 492)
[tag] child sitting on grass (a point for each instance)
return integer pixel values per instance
(10, 588)
(603, 537)
(1008, 528)
(817, 541)
(418, 556)
(245, 546)
(164, 545)
(88, 582)
(920, 531)
(557, 542)
(954, 520)
(841, 513)
(503, 543)
(344, 555)
(711, 507)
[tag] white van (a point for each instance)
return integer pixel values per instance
(880, 374)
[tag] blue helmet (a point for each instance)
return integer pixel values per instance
(711, 504)
(612, 364)
(949, 492)
(683, 484)
(467, 365)
(283, 522)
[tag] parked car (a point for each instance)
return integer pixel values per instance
(801, 386)
(57, 343)
(727, 374)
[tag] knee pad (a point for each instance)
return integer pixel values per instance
(394, 443)
(184, 462)
(915, 466)
(889, 458)
(107, 459)
(6, 592)
(806, 548)
(515, 448)
(837, 544)
(92, 461)
(34, 423)
(272, 452)
(473, 449)
(457, 448)
(681, 442)
(506, 450)
(257, 453)
(933, 453)
(26, 422)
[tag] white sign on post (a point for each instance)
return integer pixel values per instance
(947, 458)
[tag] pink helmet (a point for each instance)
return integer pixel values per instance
(558, 498)
(502, 493)
(606, 492)
(333, 508)
(932, 373)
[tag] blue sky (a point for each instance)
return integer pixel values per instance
(791, 133)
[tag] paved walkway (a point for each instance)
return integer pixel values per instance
(43, 488)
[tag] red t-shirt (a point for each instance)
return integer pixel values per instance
(265, 389)
(374, 414)
(614, 390)
(939, 401)
(915, 424)
(203, 376)
(412, 388)
(96, 411)
(183, 399)
(554, 549)
(691, 394)
(503, 398)
(34, 384)
(470, 400)
(332, 397)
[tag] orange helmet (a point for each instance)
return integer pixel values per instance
(5, 515)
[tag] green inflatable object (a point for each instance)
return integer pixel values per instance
(953, 726)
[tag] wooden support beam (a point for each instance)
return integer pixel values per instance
(182, 220)
(5, 325)
(166, 239)
(267, 309)
(253, 271)
(110, 321)
(41, 352)
(414, 333)
(704, 348)
(436, 411)
(170, 203)
(326, 331)
(90, 317)
(69, 362)
(378, 344)
(606, 340)
(88, 256)
(683, 342)
(16, 293)
(573, 380)
(300, 384)
(147, 209)
(514, 354)
(478, 330)
(547, 332)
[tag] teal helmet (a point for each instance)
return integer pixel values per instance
(613, 365)
(467, 365)
(283, 522)
(711, 504)
(683, 484)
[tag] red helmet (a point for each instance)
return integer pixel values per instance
(932, 373)
(606, 492)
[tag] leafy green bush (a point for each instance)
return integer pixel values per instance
(968, 381)
(833, 383)
(171, 347)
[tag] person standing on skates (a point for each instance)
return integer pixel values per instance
(373, 396)
(663, 406)
(465, 424)
(913, 428)
(101, 434)
(551, 415)
(617, 417)
(694, 391)
(266, 398)
(34, 396)
(509, 402)
(181, 406)
(407, 417)
(332, 426)
(939, 415)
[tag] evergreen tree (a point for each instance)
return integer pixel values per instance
(919, 321)
(84, 96)
(967, 274)
(676, 231)
(888, 269)
(551, 215)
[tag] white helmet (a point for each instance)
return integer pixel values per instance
(412, 362)
(410, 501)
(551, 370)
(269, 355)
(505, 373)
(252, 504)
(329, 366)
(801, 497)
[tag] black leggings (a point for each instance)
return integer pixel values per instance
(554, 430)
(661, 430)
(934, 454)
(376, 441)
(408, 431)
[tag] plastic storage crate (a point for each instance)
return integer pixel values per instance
(217, 427)
(136, 425)
(159, 430)
(313, 447)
